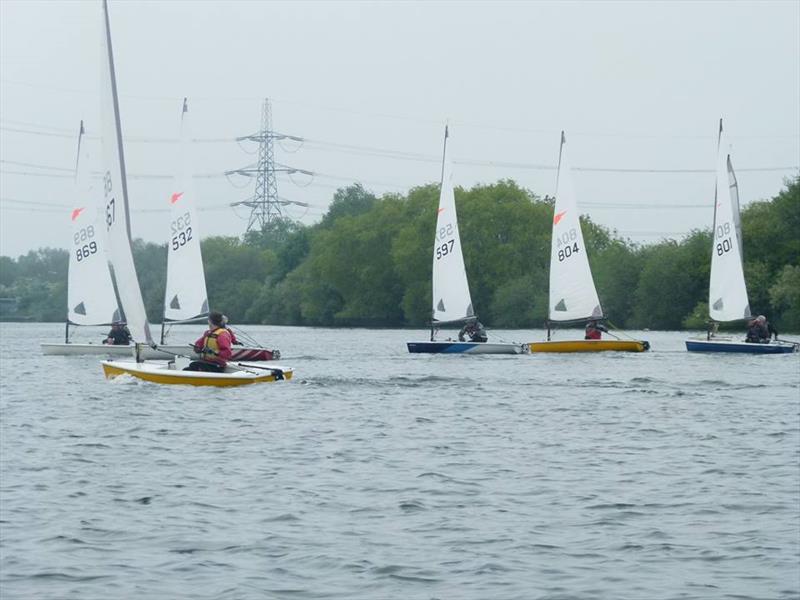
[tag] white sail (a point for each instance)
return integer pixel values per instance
(727, 292)
(115, 194)
(733, 186)
(451, 298)
(572, 292)
(90, 294)
(186, 296)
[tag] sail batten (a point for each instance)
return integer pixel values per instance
(451, 297)
(727, 291)
(185, 295)
(573, 295)
(115, 196)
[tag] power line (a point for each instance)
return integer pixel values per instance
(415, 118)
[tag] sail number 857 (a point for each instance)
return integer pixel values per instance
(444, 249)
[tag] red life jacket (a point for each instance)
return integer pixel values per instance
(593, 334)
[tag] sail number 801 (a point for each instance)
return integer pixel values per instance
(726, 244)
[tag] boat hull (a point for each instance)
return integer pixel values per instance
(701, 345)
(247, 353)
(166, 374)
(464, 348)
(590, 346)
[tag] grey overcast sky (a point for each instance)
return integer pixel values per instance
(369, 85)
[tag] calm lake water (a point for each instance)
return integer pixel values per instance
(379, 474)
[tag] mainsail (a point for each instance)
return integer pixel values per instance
(115, 194)
(451, 298)
(572, 292)
(727, 292)
(186, 297)
(90, 294)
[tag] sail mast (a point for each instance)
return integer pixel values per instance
(115, 190)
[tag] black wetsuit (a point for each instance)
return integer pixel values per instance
(119, 337)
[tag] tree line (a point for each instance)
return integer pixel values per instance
(368, 263)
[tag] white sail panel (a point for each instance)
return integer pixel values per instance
(185, 296)
(90, 294)
(572, 292)
(733, 186)
(451, 298)
(115, 197)
(727, 292)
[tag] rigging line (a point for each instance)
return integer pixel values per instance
(622, 332)
(35, 203)
(127, 138)
(33, 165)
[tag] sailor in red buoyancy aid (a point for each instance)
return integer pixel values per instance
(594, 330)
(214, 347)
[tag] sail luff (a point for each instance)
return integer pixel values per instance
(572, 294)
(115, 190)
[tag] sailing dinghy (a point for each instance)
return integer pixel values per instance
(727, 290)
(573, 296)
(117, 222)
(185, 298)
(452, 305)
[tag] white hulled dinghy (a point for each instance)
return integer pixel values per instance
(118, 229)
(185, 297)
(727, 290)
(573, 296)
(452, 304)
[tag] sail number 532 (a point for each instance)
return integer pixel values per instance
(181, 231)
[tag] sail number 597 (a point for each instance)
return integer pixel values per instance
(444, 249)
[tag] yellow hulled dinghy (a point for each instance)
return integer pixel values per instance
(120, 255)
(170, 374)
(573, 296)
(590, 346)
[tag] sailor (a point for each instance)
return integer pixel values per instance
(760, 331)
(214, 347)
(594, 329)
(119, 335)
(474, 330)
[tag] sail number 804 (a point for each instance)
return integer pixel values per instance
(569, 241)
